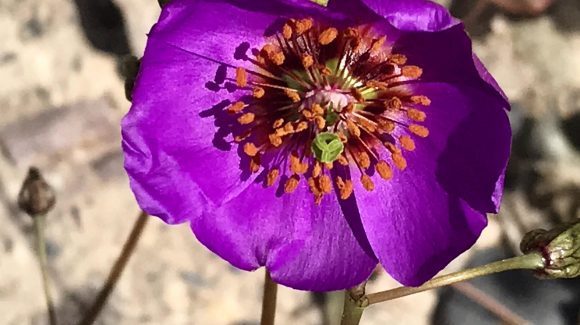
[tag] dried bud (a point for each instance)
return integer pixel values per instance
(560, 248)
(36, 197)
(162, 2)
(129, 69)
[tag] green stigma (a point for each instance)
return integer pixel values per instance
(327, 147)
(321, 2)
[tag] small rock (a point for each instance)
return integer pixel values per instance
(54, 133)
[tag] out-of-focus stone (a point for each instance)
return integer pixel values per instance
(109, 166)
(53, 134)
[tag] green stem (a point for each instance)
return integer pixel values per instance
(529, 261)
(353, 308)
(39, 224)
(269, 300)
(116, 270)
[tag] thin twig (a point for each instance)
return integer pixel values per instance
(489, 303)
(269, 300)
(39, 224)
(529, 261)
(116, 270)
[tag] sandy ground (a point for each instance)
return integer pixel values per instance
(62, 100)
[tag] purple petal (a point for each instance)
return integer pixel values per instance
(303, 245)
(450, 59)
(471, 168)
(414, 226)
(176, 136)
(470, 139)
(434, 210)
(413, 15)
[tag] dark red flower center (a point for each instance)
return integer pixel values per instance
(323, 97)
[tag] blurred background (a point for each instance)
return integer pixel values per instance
(62, 97)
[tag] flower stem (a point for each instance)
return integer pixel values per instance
(116, 270)
(529, 261)
(353, 309)
(269, 300)
(39, 224)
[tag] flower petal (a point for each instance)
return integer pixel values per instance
(470, 139)
(220, 29)
(415, 227)
(303, 245)
(450, 59)
(177, 132)
(413, 15)
(434, 210)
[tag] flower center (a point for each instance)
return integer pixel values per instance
(324, 99)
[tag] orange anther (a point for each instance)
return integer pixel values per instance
(416, 115)
(236, 107)
(327, 36)
(384, 170)
(246, 118)
(250, 149)
(419, 130)
(367, 182)
(272, 176)
(411, 71)
(399, 161)
(258, 92)
(407, 143)
(291, 184)
(241, 77)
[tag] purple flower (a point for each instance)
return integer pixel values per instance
(318, 142)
